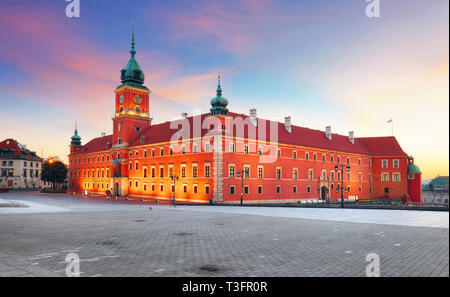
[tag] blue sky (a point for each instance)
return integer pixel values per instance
(321, 62)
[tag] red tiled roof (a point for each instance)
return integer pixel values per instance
(383, 146)
(97, 144)
(299, 136)
(10, 149)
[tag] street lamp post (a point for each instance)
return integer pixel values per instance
(241, 174)
(336, 168)
(174, 179)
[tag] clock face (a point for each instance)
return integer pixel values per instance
(121, 99)
(137, 99)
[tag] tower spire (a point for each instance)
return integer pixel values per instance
(133, 51)
(219, 88)
(76, 139)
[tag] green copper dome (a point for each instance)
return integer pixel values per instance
(76, 139)
(412, 168)
(132, 75)
(219, 103)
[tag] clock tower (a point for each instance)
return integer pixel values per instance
(131, 115)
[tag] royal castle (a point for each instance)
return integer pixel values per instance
(226, 157)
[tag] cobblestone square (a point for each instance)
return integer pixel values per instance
(126, 238)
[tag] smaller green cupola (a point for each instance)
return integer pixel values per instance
(219, 103)
(132, 75)
(76, 139)
(412, 168)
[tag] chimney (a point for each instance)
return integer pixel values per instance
(351, 137)
(328, 132)
(253, 117)
(287, 124)
(184, 115)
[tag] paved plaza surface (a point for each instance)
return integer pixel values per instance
(127, 238)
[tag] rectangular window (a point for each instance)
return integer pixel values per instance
(306, 156)
(183, 149)
(194, 171)
(384, 163)
(161, 151)
(370, 177)
(278, 189)
(294, 174)
(183, 171)
(231, 148)
(246, 149)
(137, 165)
(294, 189)
(385, 177)
(232, 190)
(206, 189)
(260, 150)
(247, 171)
(161, 171)
(395, 163)
(171, 151)
(207, 171)
(153, 172)
(184, 188)
(360, 176)
(308, 189)
(314, 157)
(161, 187)
(207, 147)
(278, 153)
(260, 172)
(278, 173)
(231, 171)
(246, 189)
(194, 149)
(294, 154)
(260, 189)
(195, 188)
(324, 157)
(396, 177)
(310, 174)
(332, 159)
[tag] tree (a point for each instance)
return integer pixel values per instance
(54, 171)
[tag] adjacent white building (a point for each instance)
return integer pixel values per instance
(20, 168)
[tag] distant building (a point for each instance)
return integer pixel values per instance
(436, 191)
(20, 168)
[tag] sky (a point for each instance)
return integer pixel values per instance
(321, 62)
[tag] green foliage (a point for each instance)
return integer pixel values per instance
(54, 172)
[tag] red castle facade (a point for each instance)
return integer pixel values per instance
(226, 157)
